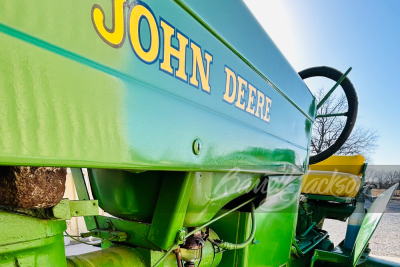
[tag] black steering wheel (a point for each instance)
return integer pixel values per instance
(352, 103)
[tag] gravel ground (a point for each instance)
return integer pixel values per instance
(386, 239)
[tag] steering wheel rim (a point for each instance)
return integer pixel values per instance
(352, 103)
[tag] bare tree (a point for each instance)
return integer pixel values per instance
(385, 179)
(326, 130)
(370, 175)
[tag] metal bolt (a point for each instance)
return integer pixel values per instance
(107, 224)
(196, 146)
(180, 236)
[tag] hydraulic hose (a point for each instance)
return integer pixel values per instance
(230, 246)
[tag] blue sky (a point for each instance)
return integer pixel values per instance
(364, 35)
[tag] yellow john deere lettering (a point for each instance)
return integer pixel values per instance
(116, 35)
(137, 11)
(237, 90)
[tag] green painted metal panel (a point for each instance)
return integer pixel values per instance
(136, 232)
(18, 228)
(244, 233)
(28, 241)
(43, 252)
(170, 209)
(370, 223)
(114, 256)
(83, 194)
(336, 259)
(276, 225)
(211, 191)
(228, 229)
(70, 99)
(239, 29)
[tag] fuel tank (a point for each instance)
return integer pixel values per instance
(133, 196)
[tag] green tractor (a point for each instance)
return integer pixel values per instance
(195, 132)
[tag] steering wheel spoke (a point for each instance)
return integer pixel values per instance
(332, 115)
(333, 88)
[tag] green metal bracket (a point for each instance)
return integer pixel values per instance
(320, 255)
(108, 235)
(136, 232)
(333, 88)
(303, 235)
(64, 210)
(171, 209)
(80, 186)
(180, 237)
(296, 249)
(67, 209)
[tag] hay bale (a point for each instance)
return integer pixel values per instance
(31, 187)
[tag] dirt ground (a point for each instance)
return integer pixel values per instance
(377, 192)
